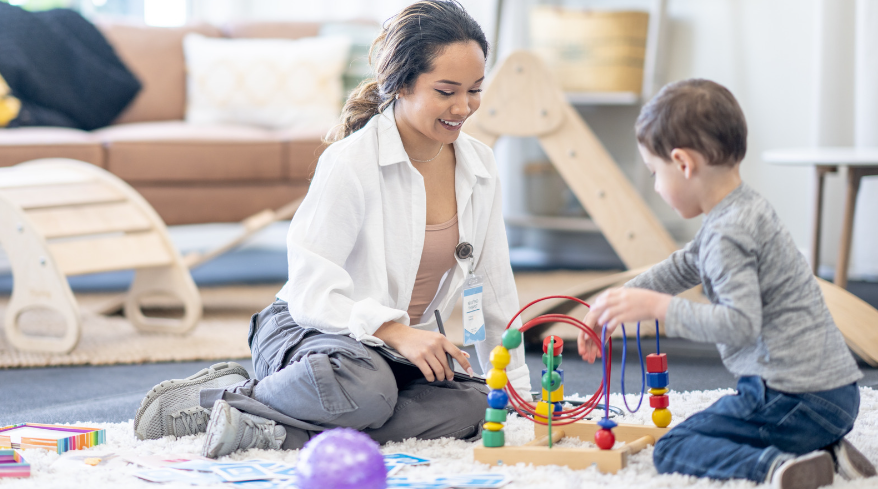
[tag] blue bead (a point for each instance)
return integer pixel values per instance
(558, 407)
(497, 399)
(657, 380)
(607, 423)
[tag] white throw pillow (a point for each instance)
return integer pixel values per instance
(274, 83)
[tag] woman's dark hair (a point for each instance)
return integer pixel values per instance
(408, 44)
(696, 114)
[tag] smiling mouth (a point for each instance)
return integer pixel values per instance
(451, 125)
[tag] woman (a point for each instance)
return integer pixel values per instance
(372, 255)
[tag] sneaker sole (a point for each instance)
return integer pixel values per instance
(852, 464)
(204, 375)
(809, 473)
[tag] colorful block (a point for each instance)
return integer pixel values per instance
(495, 415)
(656, 363)
(659, 392)
(556, 396)
(497, 399)
(499, 357)
(543, 408)
(511, 338)
(50, 437)
(493, 439)
(556, 361)
(658, 380)
(659, 402)
(12, 464)
(496, 378)
(558, 346)
(492, 426)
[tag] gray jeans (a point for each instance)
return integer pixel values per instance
(310, 381)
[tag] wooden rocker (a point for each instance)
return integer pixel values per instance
(521, 99)
(63, 217)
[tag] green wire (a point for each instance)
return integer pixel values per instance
(550, 368)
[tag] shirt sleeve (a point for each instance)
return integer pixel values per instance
(734, 316)
(321, 238)
(501, 300)
(677, 273)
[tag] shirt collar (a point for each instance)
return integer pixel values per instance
(391, 150)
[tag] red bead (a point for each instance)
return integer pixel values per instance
(559, 345)
(604, 439)
(656, 363)
(659, 402)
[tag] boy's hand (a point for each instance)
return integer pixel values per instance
(616, 306)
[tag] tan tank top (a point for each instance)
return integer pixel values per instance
(440, 240)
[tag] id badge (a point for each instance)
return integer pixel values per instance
(473, 318)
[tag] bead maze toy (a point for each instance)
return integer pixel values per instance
(549, 412)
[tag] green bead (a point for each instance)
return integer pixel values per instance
(493, 439)
(556, 361)
(511, 338)
(495, 415)
(551, 381)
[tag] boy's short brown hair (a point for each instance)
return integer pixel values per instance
(696, 114)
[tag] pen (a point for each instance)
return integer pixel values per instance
(442, 330)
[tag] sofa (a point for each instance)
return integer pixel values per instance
(188, 173)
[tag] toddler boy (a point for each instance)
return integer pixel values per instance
(797, 393)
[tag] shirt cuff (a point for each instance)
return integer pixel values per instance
(367, 316)
(519, 378)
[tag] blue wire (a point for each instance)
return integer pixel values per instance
(606, 377)
(642, 369)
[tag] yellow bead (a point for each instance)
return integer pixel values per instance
(557, 396)
(499, 357)
(659, 392)
(493, 426)
(543, 408)
(661, 417)
(496, 379)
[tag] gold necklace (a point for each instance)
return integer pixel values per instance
(441, 145)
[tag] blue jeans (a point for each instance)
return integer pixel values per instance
(740, 436)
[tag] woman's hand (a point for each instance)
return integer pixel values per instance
(426, 349)
(616, 306)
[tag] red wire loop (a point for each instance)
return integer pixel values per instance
(567, 416)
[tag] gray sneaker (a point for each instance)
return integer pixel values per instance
(231, 430)
(172, 407)
(808, 471)
(849, 462)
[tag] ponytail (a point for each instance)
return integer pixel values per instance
(364, 102)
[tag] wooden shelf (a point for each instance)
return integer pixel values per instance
(575, 224)
(603, 98)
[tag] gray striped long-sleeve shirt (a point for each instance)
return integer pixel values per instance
(767, 314)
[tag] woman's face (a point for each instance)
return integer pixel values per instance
(441, 100)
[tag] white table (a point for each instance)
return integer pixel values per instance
(860, 162)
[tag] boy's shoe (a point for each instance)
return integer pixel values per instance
(849, 462)
(231, 430)
(808, 471)
(173, 408)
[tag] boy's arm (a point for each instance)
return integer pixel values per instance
(734, 317)
(677, 273)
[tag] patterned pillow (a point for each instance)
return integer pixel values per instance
(274, 83)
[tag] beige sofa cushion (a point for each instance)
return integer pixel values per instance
(155, 56)
(22, 144)
(174, 151)
(272, 30)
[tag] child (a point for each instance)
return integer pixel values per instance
(797, 393)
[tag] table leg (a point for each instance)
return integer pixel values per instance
(820, 173)
(847, 231)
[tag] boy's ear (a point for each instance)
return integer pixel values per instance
(684, 161)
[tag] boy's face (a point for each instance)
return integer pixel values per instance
(673, 182)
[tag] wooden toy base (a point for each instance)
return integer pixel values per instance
(636, 438)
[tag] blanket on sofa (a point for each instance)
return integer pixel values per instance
(62, 69)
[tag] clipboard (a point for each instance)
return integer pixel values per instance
(394, 356)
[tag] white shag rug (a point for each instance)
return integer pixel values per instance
(450, 457)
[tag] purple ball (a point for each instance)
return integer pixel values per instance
(341, 458)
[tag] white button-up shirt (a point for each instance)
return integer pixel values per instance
(354, 245)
